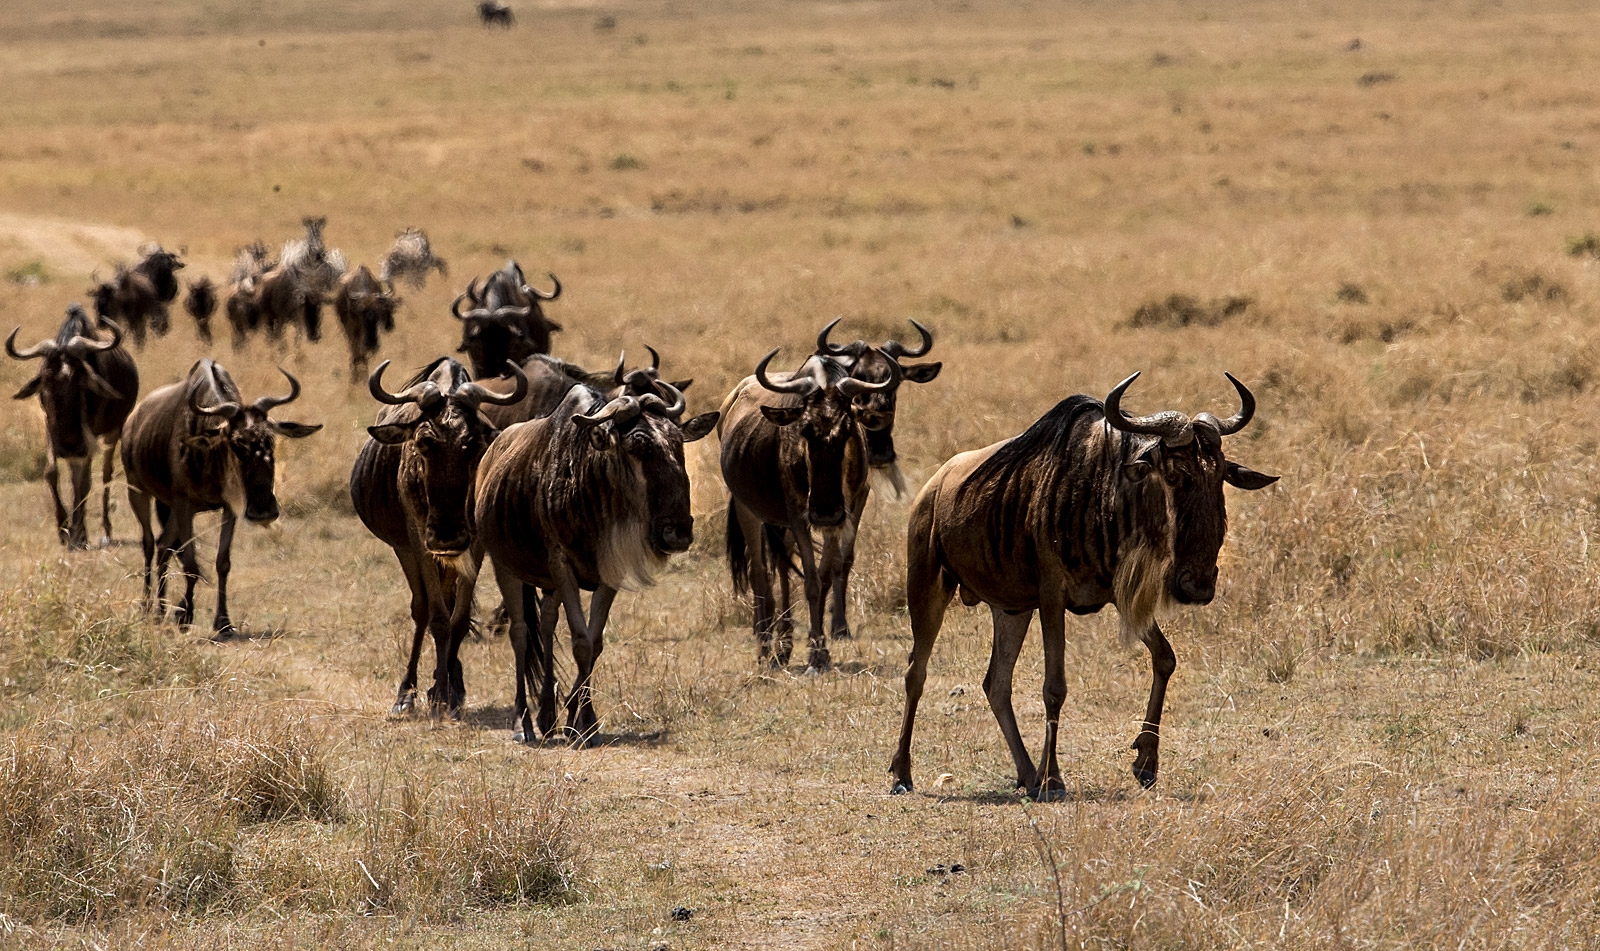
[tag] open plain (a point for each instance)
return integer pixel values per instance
(1379, 215)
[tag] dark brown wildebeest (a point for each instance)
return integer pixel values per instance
(87, 386)
(412, 486)
(365, 308)
(794, 460)
(194, 446)
(592, 497)
(280, 300)
(130, 299)
(411, 259)
(201, 304)
(505, 320)
(250, 264)
(161, 267)
(495, 13)
(1087, 507)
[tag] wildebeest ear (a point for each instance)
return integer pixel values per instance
(1242, 477)
(783, 415)
(603, 436)
(1143, 464)
(682, 385)
(393, 434)
(28, 389)
(294, 430)
(923, 372)
(698, 427)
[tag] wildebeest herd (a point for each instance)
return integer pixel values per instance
(570, 481)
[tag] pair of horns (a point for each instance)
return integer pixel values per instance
(230, 409)
(427, 394)
(1174, 428)
(893, 348)
(624, 408)
(817, 379)
(79, 346)
(619, 377)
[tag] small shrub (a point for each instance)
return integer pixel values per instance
(1350, 293)
(1540, 209)
(1584, 245)
(624, 162)
(31, 274)
(1532, 286)
(605, 24)
(1376, 78)
(1182, 310)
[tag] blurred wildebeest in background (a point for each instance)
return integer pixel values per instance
(495, 13)
(411, 259)
(87, 386)
(201, 303)
(130, 298)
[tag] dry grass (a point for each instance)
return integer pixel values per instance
(1381, 734)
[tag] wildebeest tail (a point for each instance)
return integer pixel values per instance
(778, 554)
(738, 553)
(311, 315)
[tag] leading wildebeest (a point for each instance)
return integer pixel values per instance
(412, 486)
(201, 304)
(365, 308)
(161, 267)
(592, 497)
(194, 446)
(505, 321)
(793, 460)
(495, 13)
(87, 387)
(131, 299)
(1087, 507)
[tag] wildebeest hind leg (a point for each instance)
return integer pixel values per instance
(1148, 743)
(189, 559)
(166, 546)
(140, 503)
(549, 616)
(513, 595)
(1010, 631)
(105, 490)
(581, 718)
(927, 595)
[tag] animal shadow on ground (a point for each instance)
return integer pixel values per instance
(240, 634)
(496, 718)
(1002, 795)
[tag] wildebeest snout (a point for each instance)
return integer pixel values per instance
(1196, 587)
(673, 536)
(262, 513)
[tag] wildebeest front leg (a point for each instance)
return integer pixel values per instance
(460, 625)
(1010, 631)
(549, 617)
(1148, 743)
(222, 626)
(438, 581)
(847, 562)
(1053, 629)
(184, 540)
(52, 472)
(581, 718)
(166, 546)
(140, 503)
(411, 564)
(105, 490)
(81, 472)
(819, 658)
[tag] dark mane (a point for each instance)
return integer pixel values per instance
(77, 324)
(1049, 436)
(458, 375)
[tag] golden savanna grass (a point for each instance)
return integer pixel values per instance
(1381, 734)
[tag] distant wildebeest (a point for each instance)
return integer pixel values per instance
(251, 264)
(130, 298)
(315, 266)
(412, 486)
(194, 446)
(365, 308)
(794, 460)
(504, 321)
(411, 259)
(201, 303)
(592, 497)
(1087, 507)
(87, 386)
(495, 13)
(161, 267)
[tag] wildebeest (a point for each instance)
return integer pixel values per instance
(794, 460)
(412, 486)
(194, 446)
(87, 386)
(289, 292)
(315, 266)
(130, 298)
(505, 320)
(365, 308)
(592, 497)
(1087, 507)
(495, 13)
(161, 267)
(251, 263)
(201, 304)
(411, 259)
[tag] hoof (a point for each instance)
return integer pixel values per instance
(1146, 777)
(403, 703)
(842, 634)
(1049, 792)
(900, 787)
(820, 662)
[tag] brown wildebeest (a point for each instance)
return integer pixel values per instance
(161, 267)
(130, 299)
(365, 308)
(495, 13)
(794, 460)
(194, 446)
(1087, 507)
(505, 320)
(87, 387)
(201, 304)
(412, 487)
(592, 497)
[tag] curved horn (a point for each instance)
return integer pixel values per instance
(850, 387)
(502, 313)
(831, 349)
(672, 410)
(1173, 427)
(621, 409)
(541, 295)
(226, 408)
(424, 394)
(801, 386)
(655, 358)
(896, 349)
(1247, 409)
(617, 378)
(455, 307)
(43, 349)
(80, 345)
(478, 395)
(266, 403)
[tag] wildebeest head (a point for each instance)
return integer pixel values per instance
(248, 435)
(875, 409)
(826, 419)
(161, 267)
(645, 435)
(504, 321)
(66, 374)
(1176, 480)
(442, 445)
